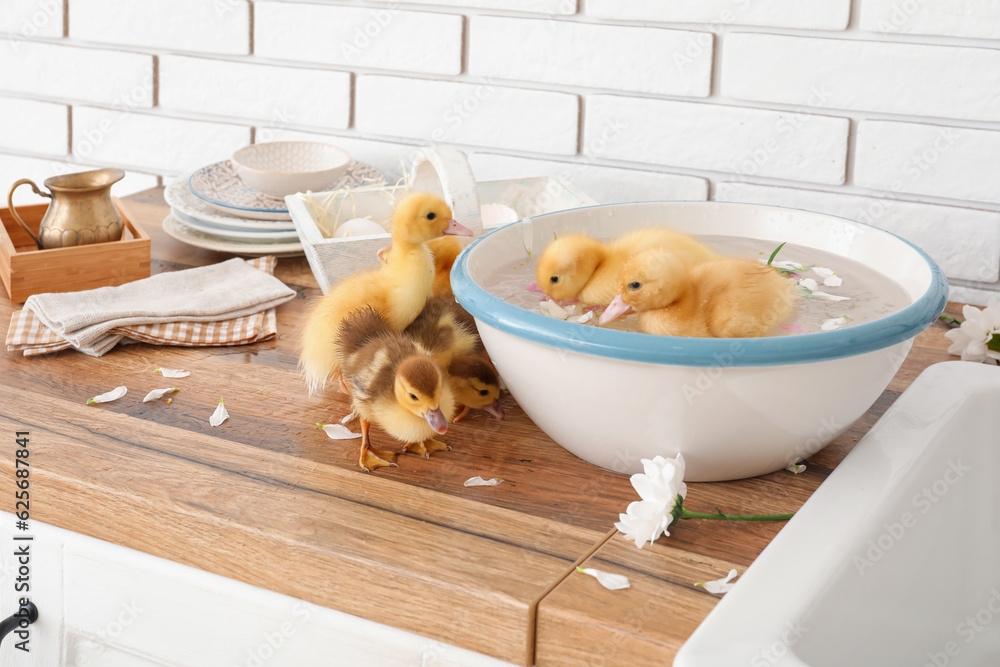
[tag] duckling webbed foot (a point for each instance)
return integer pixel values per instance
(427, 447)
(371, 458)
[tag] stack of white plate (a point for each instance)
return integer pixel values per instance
(213, 208)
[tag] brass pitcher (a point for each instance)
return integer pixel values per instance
(81, 211)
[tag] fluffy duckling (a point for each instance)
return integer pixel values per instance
(580, 267)
(398, 289)
(445, 250)
(394, 383)
(448, 332)
(724, 298)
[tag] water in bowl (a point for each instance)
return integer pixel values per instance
(864, 294)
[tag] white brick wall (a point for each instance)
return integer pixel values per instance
(933, 17)
(680, 134)
(887, 77)
(479, 113)
(643, 60)
(221, 26)
(383, 37)
(295, 95)
(882, 110)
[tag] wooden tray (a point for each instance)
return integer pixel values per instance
(25, 270)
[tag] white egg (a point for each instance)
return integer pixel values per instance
(494, 215)
(358, 227)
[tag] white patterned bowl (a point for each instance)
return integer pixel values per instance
(281, 168)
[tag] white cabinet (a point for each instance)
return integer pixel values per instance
(102, 605)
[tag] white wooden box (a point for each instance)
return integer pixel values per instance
(442, 170)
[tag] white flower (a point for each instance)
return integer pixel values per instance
(220, 415)
(158, 393)
(644, 521)
(795, 468)
(107, 397)
(979, 327)
(338, 432)
(612, 582)
(835, 323)
(830, 278)
(353, 414)
(719, 586)
(583, 319)
(172, 373)
(662, 480)
(809, 284)
(479, 481)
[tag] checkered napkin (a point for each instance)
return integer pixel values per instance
(230, 303)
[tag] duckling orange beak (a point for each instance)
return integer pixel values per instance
(496, 409)
(455, 228)
(615, 309)
(436, 419)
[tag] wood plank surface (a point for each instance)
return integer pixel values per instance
(268, 499)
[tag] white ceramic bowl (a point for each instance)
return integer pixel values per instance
(280, 168)
(734, 407)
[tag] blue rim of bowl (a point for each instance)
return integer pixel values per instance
(199, 195)
(721, 352)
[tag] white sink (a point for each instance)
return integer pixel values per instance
(895, 560)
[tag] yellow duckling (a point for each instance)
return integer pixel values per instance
(445, 250)
(724, 298)
(395, 383)
(449, 333)
(580, 267)
(398, 289)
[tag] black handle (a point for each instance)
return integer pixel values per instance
(28, 612)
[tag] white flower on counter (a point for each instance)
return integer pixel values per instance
(835, 323)
(663, 491)
(612, 582)
(172, 373)
(479, 481)
(109, 396)
(644, 521)
(159, 393)
(977, 339)
(830, 277)
(220, 415)
(662, 480)
(338, 432)
(719, 586)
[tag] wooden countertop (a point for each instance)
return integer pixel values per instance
(268, 499)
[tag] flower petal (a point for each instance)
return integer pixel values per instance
(172, 373)
(353, 414)
(109, 396)
(719, 586)
(809, 284)
(796, 468)
(787, 266)
(159, 393)
(338, 432)
(835, 323)
(479, 481)
(220, 415)
(823, 296)
(644, 521)
(612, 582)
(553, 309)
(527, 233)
